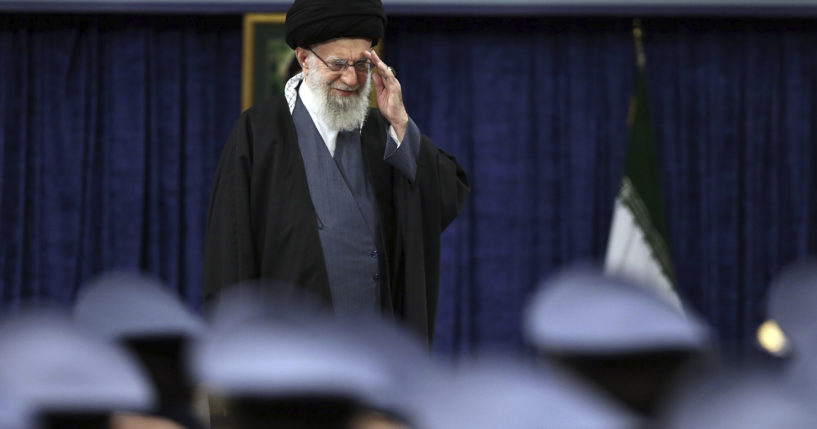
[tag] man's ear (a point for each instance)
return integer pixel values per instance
(301, 55)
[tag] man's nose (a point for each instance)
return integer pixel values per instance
(349, 76)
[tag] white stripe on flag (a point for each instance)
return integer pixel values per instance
(630, 255)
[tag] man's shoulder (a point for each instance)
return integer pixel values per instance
(271, 108)
(269, 118)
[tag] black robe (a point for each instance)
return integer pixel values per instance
(262, 225)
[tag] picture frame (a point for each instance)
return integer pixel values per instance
(267, 59)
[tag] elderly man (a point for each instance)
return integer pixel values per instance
(315, 189)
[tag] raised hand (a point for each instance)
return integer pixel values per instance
(389, 95)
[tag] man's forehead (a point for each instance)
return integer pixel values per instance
(345, 47)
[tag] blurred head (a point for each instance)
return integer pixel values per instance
(66, 377)
(640, 381)
(313, 412)
(154, 326)
(373, 420)
(68, 420)
(139, 421)
(165, 361)
(269, 370)
(619, 335)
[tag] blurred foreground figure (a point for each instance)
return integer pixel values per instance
(276, 374)
(68, 379)
(620, 336)
(503, 394)
(407, 363)
(738, 399)
(259, 300)
(155, 327)
(404, 362)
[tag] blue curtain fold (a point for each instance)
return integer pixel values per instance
(111, 127)
(110, 131)
(535, 109)
(734, 103)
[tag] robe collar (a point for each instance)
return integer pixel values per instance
(291, 90)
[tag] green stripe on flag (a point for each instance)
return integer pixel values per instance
(641, 172)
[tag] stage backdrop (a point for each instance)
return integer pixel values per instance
(111, 129)
(111, 126)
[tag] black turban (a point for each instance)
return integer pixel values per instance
(314, 21)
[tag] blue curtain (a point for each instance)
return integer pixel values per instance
(736, 115)
(535, 110)
(110, 128)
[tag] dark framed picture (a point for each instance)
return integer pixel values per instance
(268, 60)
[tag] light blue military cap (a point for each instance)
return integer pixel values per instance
(408, 363)
(499, 393)
(14, 415)
(120, 305)
(739, 399)
(583, 311)
(49, 365)
(266, 358)
(274, 301)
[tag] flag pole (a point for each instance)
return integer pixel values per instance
(638, 39)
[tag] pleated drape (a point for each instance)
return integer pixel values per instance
(111, 127)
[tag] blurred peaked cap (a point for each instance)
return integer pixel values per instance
(126, 305)
(490, 394)
(14, 414)
(793, 298)
(385, 340)
(266, 359)
(50, 365)
(584, 311)
(408, 362)
(744, 399)
(250, 300)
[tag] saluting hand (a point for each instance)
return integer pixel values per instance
(389, 95)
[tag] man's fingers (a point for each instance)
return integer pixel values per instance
(382, 68)
(375, 59)
(378, 82)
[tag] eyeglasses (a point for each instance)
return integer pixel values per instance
(361, 66)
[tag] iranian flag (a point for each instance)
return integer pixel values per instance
(638, 247)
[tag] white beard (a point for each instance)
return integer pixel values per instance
(342, 113)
